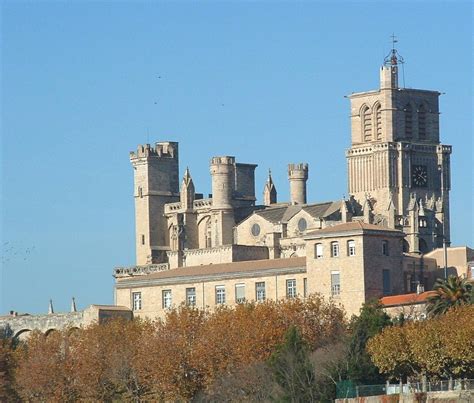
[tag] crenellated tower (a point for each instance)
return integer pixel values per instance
(396, 156)
(156, 183)
(298, 175)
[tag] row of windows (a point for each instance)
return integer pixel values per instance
(220, 294)
(367, 115)
(336, 282)
(350, 249)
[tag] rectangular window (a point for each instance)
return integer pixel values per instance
(290, 288)
(334, 249)
(137, 301)
(166, 298)
(335, 283)
(318, 250)
(385, 248)
(191, 296)
(240, 293)
(387, 288)
(220, 294)
(143, 239)
(305, 287)
(260, 291)
(351, 248)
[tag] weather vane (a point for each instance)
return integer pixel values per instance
(393, 58)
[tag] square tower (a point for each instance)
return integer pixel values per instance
(396, 159)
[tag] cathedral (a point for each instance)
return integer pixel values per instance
(225, 248)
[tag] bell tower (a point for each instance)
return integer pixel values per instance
(396, 157)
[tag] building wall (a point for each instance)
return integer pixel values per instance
(152, 295)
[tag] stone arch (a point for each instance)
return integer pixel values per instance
(405, 246)
(365, 114)
(377, 119)
(422, 121)
(423, 246)
(50, 331)
(204, 228)
(23, 334)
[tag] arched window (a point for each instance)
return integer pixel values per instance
(408, 121)
(366, 116)
(422, 122)
(378, 121)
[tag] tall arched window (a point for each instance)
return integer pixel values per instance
(378, 121)
(408, 121)
(422, 122)
(366, 115)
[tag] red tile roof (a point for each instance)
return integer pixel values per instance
(406, 299)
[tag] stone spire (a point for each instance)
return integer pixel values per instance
(391, 212)
(269, 191)
(50, 307)
(367, 210)
(187, 192)
(345, 213)
(73, 305)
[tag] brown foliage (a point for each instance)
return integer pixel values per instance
(439, 347)
(172, 359)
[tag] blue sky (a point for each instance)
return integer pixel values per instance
(264, 81)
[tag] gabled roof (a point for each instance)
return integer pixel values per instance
(282, 214)
(406, 299)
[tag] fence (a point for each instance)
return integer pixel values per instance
(347, 389)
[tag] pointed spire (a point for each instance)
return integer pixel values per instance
(269, 191)
(73, 305)
(50, 307)
(422, 208)
(187, 191)
(345, 215)
(367, 210)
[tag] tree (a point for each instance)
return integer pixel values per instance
(292, 369)
(453, 291)
(371, 321)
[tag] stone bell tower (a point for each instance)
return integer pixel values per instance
(156, 177)
(396, 157)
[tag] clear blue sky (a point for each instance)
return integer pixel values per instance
(80, 89)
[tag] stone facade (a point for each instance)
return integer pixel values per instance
(397, 211)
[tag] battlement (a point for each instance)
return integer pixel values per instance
(298, 170)
(224, 160)
(165, 149)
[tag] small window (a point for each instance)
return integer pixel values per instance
(143, 239)
(385, 248)
(240, 293)
(335, 249)
(140, 191)
(335, 283)
(351, 248)
(305, 287)
(302, 225)
(220, 294)
(255, 229)
(260, 294)
(387, 288)
(191, 296)
(291, 288)
(318, 251)
(166, 298)
(137, 301)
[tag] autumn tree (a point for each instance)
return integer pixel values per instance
(440, 347)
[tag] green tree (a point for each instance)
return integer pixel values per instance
(292, 369)
(454, 291)
(371, 321)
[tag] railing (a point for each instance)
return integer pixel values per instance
(347, 389)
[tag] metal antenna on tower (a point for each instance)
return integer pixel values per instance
(394, 58)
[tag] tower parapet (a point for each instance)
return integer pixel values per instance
(298, 175)
(223, 181)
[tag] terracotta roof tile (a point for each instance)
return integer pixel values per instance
(406, 299)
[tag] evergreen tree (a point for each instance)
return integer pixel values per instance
(292, 369)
